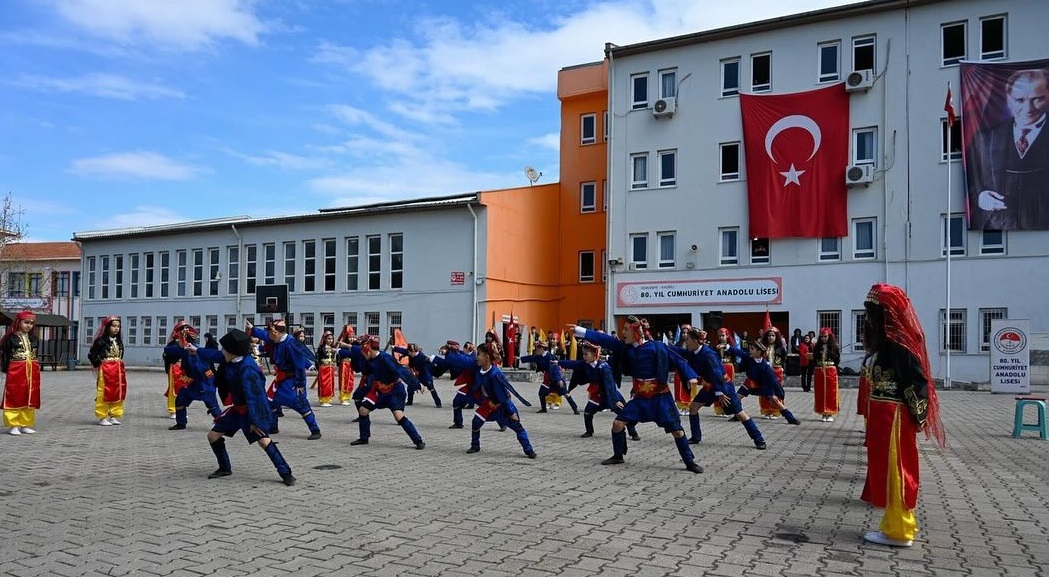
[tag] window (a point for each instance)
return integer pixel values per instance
(761, 72)
(214, 275)
(289, 265)
(134, 264)
(605, 127)
(604, 266)
(953, 229)
(729, 161)
(350, 319)
(393, 321)
(639, 251)
(371, 321)
(269, 263)
(118, 274)
(180, 257)
(76, 284)
(730, 77)
(667, 252)
(992, 37)
(131, 328)
(863, 235)
(147, 331)
(60, 284)
(89, 328)
(859, 317)
(307, 324)
(951, 138)
(759, 251)
(667, 167)
(604, 195)
(729, 250)
(328, 323)
(195, 321)
(831, 320)
(396, 260)
(162, 330)
(251, 268)
(198, 272)
(588, 129)
(309, 266)
(829, 54)
(830, 248)
(863, 53)
(667, 83)
(952, 43)
(212, 322)
(329, 266)
(36, 284)
(105, 277)
(588, 197)
(16, 284)
(91, 277)
(639, 170)
(165, 274)
(639, 91)
(232, 270)
(992, 242)
(864, 146)
(586, 266)
(952, 331)
(149, 274)
(231, 323)
(374, 263)
(353, 247)
(986, 316)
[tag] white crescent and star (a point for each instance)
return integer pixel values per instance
(793, 121)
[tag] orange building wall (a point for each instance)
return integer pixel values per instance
(582, 90)
(522, 256)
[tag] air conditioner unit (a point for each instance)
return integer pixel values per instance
(859, 174)
(664, 107)
(632, 266)
(859, 80)
(616, 260)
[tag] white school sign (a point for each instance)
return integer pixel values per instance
(768, 290)
(1010, 356)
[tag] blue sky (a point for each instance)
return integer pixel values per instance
(118, 113)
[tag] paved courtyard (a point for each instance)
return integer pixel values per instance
(80, 499)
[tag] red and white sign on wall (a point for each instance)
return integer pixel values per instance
(458, 278)
(700, 292)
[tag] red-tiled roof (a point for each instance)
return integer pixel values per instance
(24, 251)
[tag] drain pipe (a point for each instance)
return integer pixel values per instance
(475, 280)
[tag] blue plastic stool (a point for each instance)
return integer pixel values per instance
(1018, 420)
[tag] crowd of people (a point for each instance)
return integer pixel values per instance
(897, 394)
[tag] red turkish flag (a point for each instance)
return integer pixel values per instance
(797, 148)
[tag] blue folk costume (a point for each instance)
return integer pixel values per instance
(291, 359)
(706, 362)
(553, 379)
(460, 367)
(386, 390)
(250, 412)
(493, 391)
(200, 385)
(760, 372)
(420, 366)
(361, 366)
(649, 364)
(602, 392)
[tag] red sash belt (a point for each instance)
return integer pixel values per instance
(648, 388)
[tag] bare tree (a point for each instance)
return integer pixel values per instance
(12, 230)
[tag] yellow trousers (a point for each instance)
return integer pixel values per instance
(898, 522)
(104, 410)
(171, 396)
(24, 417)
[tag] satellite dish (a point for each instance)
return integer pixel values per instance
(532, 174)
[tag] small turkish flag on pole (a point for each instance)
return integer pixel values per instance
(948, 107)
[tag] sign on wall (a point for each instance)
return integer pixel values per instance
(745, 291)
(458, 278)
(1010, 356)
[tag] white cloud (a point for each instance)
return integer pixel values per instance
(551, 141)
(145, 215)
(278, 159)
(180, 25)
(136, 165)
(101, 85)
(358, 117)
(448, 67)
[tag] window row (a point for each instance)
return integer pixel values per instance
(954, 40)
(588, 196)
(828, 65)
(588, 128)
(23, 284)
(305, 266)
(153, 330)
(953, 328)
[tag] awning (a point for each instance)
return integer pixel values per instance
(42, 319)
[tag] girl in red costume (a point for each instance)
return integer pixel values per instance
(18, 359)
(107, 357)
(826, 355)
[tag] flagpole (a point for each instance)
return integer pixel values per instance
(947, 230)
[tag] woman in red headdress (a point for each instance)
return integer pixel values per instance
(325, 381)
(902, 402)
(18, 360)
(826, 355)
(346, 375)
(107, 357)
